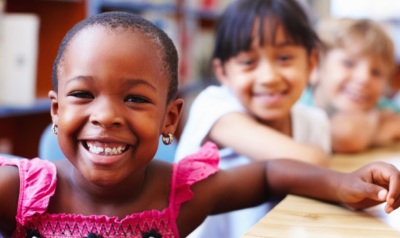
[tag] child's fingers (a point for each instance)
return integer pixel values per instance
(393, 206)
(389, 176)
(394, 187)
(372, 191)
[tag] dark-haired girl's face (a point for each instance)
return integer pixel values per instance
(268, 79)
(111, 103)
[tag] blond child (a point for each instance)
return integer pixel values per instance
(356, 63)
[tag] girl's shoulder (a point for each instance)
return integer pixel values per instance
(217, 97)
(20, 179)
(9, 185)
(9, 192)
(25, 172)
(35, 180)
(191, 169)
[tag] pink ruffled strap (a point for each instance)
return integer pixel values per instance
(37, 184)
(191, 169)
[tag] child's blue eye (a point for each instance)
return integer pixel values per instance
(348, 63)
(247, 62)
(136, 99)
(81, 94)
(376, 73)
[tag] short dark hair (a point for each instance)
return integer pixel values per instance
(135, 23)
(235, 26)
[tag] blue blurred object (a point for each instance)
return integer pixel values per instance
(8, 156)
(48, 146)
(49, 149)
(166, 152)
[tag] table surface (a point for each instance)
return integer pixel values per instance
(299, 217)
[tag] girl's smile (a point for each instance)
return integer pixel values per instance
(356, 95)
(102, 148)
(104, 153)
(270, 98)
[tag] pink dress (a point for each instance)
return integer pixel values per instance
(38, 183)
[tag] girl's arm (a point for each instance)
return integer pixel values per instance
(252, 184)
(353, 131)
(389, 128)
(368, 186)
(248, 137)
(9, 192)
(358, 131)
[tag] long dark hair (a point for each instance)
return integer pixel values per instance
(235, 27)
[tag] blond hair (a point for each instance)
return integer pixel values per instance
(347, 33)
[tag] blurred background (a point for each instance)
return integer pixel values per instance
(31, 31)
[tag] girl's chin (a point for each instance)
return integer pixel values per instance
(272, 115)
(350, 105)
(101, 178)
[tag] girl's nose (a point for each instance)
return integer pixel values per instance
(362, 73)
(106, 114)
(267, 73)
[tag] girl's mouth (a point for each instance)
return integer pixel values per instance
(356, 96)
(105, 148)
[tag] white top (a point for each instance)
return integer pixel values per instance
(396, 98)
(309, 125)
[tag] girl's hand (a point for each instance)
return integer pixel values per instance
(370, 185)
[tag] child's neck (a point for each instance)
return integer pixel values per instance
(76, 195)
(321, 102)
(283, 125)
(123, 192)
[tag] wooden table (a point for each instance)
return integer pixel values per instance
(297, 216)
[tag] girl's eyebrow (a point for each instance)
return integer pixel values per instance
(134, 82)
(127, 83)
(80, 77)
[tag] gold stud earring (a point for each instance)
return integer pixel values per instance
(168, 139)
(54, 128)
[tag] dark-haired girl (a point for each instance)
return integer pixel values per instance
(264, 53)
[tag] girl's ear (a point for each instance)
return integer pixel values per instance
(54, 107)
(314, 67)
(314, 76)
(173, 113)
(219, 71)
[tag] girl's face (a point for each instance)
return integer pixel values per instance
(110, 108)
(268, 79)
(350, 81)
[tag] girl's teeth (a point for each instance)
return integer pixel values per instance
(106, 151)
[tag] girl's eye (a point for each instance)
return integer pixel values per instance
(348, 63)
(81, 94)
(247, 62)
(284, 58)
(376, 73)
(136, 99)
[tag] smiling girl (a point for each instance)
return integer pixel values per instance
(115, 82)
(264, 53)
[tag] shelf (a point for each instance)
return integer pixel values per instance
(202, 14)
(39, 106)
(95, 6)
